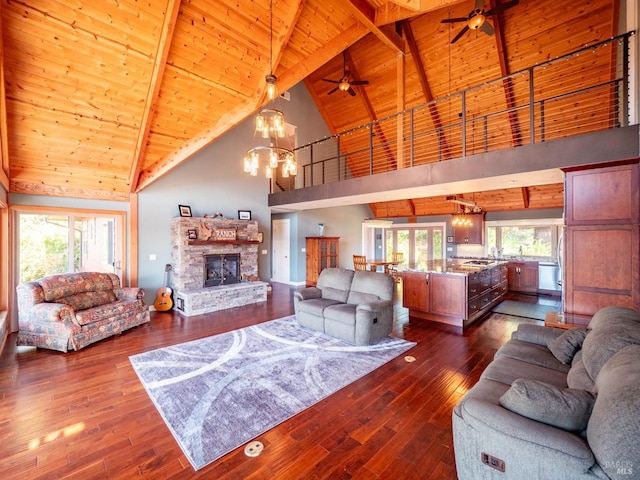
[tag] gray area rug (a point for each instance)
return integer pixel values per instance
(522, 309)
(217, 393)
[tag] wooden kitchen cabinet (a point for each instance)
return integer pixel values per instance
(415, 290)
(448, 295)
(436, 293)
(473, 234)
(523, 276)
(602, 238)
(322, 252)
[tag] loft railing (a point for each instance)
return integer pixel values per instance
(582, 92)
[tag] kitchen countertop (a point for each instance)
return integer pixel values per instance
(460, 266)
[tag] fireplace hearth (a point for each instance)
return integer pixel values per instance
(221, 269)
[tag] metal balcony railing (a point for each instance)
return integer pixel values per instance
(582, 92)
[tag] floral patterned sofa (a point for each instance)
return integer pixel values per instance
(70, 311)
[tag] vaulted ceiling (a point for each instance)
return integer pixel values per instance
(101, 98)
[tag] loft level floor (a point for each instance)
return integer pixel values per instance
(85, 414)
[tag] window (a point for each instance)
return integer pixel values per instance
(537, 238)
(418, 243)
(50, 243)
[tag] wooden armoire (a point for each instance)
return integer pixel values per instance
(322, 252)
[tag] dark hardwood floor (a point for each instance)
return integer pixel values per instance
(85, 415)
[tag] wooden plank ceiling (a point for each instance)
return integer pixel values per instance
(102, 98)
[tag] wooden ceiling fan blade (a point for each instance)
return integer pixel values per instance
(359, 82)
(330, 81)
(502, 8)
(460, 34)
(333, 90)
(487, 28)
(352, 92)
(455, 20)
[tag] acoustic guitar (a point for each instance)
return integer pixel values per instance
(164, 301)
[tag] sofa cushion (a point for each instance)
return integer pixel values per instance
(507, 370)
(531, 353)
(55, 287)
(370, 287)
(614, 426)
(578, 377)
(612, 329)
(316, 306)
(83, 301)
(564, 408)
(335, 283)
(538, 334)
(110, 310)
(566, 345)
(613, 315)
(341, 312)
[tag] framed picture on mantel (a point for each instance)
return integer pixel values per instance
(244, 214)
(185, 210)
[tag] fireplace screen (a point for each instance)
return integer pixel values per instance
(221, 269)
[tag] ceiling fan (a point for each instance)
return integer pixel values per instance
(345, 84)
(477, 18)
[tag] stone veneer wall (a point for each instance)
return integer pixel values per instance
(187, 255)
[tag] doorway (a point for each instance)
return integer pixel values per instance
(280, 249)
(418, 243)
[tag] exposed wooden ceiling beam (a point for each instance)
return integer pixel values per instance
(507, 83)
(424, 83)
(410, 4)
(400, 9)
(366, 14)
(162, 52)
(65, 191)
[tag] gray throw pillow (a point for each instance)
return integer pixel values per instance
(566, 345)
(564, 408)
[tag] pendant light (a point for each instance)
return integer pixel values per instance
(270, 125)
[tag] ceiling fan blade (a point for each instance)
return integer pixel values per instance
(502, 8)
(352, 92)
(455, 20)
(333, 90)
(479, 4)
(460, 34)
(359, 82)
(487, 28)
(330, 81)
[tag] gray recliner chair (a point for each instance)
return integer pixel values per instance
(354, 306)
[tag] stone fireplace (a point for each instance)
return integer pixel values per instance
(216, 270)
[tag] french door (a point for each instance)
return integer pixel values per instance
(418, 244)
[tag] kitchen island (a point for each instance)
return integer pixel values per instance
(454, 291)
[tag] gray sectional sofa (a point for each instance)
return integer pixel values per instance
(556, 404)
(354, 306)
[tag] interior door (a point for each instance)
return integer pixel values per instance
(280, 251)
